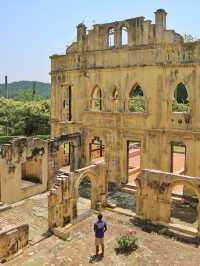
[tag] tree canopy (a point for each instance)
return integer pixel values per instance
(25, 118)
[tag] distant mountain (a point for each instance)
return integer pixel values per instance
(41, 88)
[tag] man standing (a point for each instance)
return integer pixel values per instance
(100, 228)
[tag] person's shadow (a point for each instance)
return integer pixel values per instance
(95, 258)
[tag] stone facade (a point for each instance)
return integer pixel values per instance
(92, 83)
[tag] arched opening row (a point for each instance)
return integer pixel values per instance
(136, 101)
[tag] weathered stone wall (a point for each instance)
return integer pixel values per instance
(62, 200)
(12, 240)
(23, 158)
(154, 189)
(155, 58)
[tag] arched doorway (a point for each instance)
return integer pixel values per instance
(184, 208)
(84, 198)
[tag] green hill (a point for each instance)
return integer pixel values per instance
(41, 88)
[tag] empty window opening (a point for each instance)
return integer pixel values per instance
(67, 104)
(32, 172)
(84, 198)
(178, 158)
(136, 100)
(96, 102)
(96, 149)
(124, 36)
(184, 207)
(111, 37)
(133, 161)
(115, 100)
(180, 103)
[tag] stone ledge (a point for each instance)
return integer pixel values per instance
(62, 232)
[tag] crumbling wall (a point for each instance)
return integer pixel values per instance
(154, 190)
(13, 158)
(62, 200)
(12, 240)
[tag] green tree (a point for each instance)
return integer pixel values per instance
(25, 118)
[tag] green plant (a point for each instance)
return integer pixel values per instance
(180, 107)
(127, 242)
(137, 104)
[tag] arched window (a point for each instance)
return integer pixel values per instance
(96, 101)
(115, 94)
(124, 36)
(115, 100)
(111, 37)
(136, 100)
(180, 103)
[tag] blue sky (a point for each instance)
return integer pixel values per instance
(32, 30)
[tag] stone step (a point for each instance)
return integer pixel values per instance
(184, 230)
(4, 207)
(63, 232)
(128, 189)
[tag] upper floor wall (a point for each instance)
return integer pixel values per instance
(126, 43)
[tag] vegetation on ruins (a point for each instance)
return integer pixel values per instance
(25, 117)
(190, 38)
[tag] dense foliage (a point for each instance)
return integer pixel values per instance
(25, 118)
(16, 89)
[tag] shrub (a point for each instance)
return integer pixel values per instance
(127, 242)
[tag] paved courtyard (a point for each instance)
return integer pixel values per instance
(32, 211)
(78, 250)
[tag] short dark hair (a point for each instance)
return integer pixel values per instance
(100, 216)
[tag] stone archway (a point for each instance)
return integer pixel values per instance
(93, 194)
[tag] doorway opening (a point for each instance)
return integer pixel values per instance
(184, 210)
(96, 149)
(84, 198)
(133, 161)
(64, 156)
(31, 172)
(178, 160)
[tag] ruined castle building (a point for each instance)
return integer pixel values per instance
(129, 84)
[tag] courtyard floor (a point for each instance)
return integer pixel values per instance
(78, 250)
